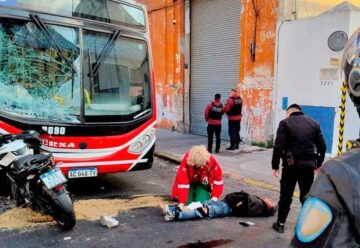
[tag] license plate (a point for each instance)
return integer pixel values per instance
(53, 178)
(83, 172)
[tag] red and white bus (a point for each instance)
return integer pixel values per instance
(80, 72)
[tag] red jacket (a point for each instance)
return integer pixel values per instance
(209, 174)
(228, 105)
(208, 108)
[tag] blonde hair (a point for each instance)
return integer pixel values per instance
(198, 155)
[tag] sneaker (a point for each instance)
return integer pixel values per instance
(170, 216)
(164, 208)
(231, 148)
(278, 227)
(236, 147)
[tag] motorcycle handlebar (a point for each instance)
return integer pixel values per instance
(30, 137)
(5, 138)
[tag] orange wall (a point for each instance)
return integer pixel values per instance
(166, 22)
(256, 78)
(166, 25)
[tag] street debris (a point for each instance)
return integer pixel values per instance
(91, 210)
(6, 203)
(246, 223)
(67, 238)
(23, 218)
(108, 221)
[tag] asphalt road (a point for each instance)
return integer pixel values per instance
(144, 227)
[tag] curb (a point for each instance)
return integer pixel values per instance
(168, 156)
(250, 181)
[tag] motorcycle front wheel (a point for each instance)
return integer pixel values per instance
(63, 210)
(66, 221)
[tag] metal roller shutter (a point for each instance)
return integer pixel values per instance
(215, 49)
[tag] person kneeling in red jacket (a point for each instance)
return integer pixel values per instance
(198, 179)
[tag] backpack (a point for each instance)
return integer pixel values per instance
(244, 204)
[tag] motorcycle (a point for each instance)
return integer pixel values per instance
(33, 179)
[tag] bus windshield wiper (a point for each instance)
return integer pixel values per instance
(42, 27)
(141, 114)
(105, 51)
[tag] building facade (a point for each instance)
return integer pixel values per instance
(309, 54)
(203, 47)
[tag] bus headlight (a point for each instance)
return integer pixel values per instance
(146, 138)
(139, 145)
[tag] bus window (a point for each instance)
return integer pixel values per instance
(109, 11)
(120, 89)
(100, 10)
(35, 82)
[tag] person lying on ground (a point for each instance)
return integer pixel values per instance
(239, 204)
(198, 179)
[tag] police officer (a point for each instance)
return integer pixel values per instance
(296, 137)
(213, 115)
(233, 108)
(330, 216)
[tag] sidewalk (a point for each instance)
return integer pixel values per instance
(250, 164)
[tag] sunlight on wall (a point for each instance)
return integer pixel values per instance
(308, 8)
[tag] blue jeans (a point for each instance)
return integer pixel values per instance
(216, 209)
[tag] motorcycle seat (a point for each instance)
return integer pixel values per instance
(30, 160)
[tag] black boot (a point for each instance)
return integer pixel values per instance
(278, 227)
(231, 148)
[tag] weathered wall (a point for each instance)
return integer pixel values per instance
(300, 9)
(256, 78)
(166, 21)
(305, 65)
(166, 25)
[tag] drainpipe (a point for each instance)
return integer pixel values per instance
(186, 113)
(295, 10)
(253, 43)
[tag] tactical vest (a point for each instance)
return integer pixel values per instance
(237, 107)
(216, 112)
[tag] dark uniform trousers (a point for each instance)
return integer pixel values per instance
(211, 130)
(234, 132)
(301, 172)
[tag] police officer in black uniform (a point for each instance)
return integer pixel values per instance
(213, 115)
(330, 216)
(296, 139)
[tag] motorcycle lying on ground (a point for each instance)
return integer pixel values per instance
(33, 179)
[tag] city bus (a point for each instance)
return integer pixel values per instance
(80, 73)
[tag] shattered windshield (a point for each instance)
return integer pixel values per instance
(35, 81)
(108, 11)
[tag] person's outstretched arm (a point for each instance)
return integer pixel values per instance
(218, 186)
(181, 185)
(320, 147)
(279, 145)
(207, 109)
